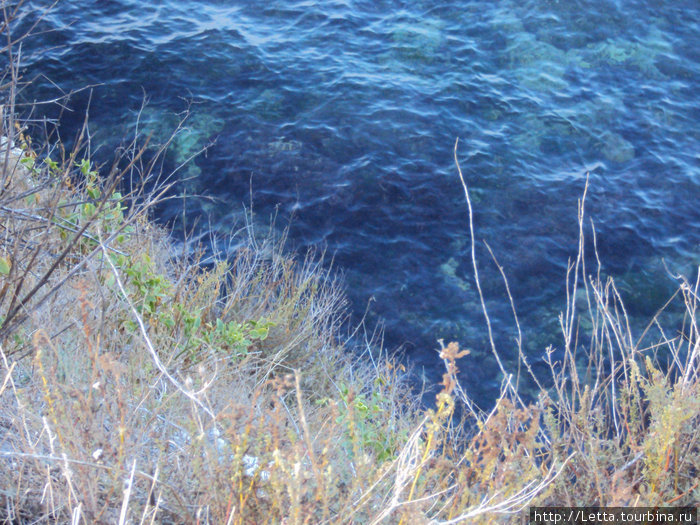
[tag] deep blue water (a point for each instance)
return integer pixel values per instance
(343, 116)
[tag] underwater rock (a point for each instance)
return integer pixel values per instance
(198, 130)
(547, 334)
(646, 288)
(615, 52)
(524, 49)
(449, 271)
(505, 20)
(419, 42)
(492, 113)
(539, 65)
(196, 134)
(641, 54)
(615, 148)
(281, 145)
(545, 79)
(532, 132)
(527, 140)
(269, 105)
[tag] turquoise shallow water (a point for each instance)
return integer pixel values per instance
(343, 116)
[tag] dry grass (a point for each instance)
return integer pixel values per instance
(139, 388)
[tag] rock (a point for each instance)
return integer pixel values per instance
(616, 149)
(449, 271)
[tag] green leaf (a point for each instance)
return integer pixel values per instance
(93, 192)
(52, 164)
(259, 333)
(5, 266)
(84, 167)
(89, 209)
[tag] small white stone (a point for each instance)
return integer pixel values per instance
(250, 465)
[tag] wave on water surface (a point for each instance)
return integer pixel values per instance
(343, 114)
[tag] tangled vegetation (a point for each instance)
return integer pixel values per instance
(139, 387)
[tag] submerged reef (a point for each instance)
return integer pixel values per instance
(196, 129)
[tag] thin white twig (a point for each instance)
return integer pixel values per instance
(476, 270)
(127, 495)
(515, 503)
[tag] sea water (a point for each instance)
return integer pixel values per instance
(340, 118)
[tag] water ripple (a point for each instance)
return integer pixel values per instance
(344, 114)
